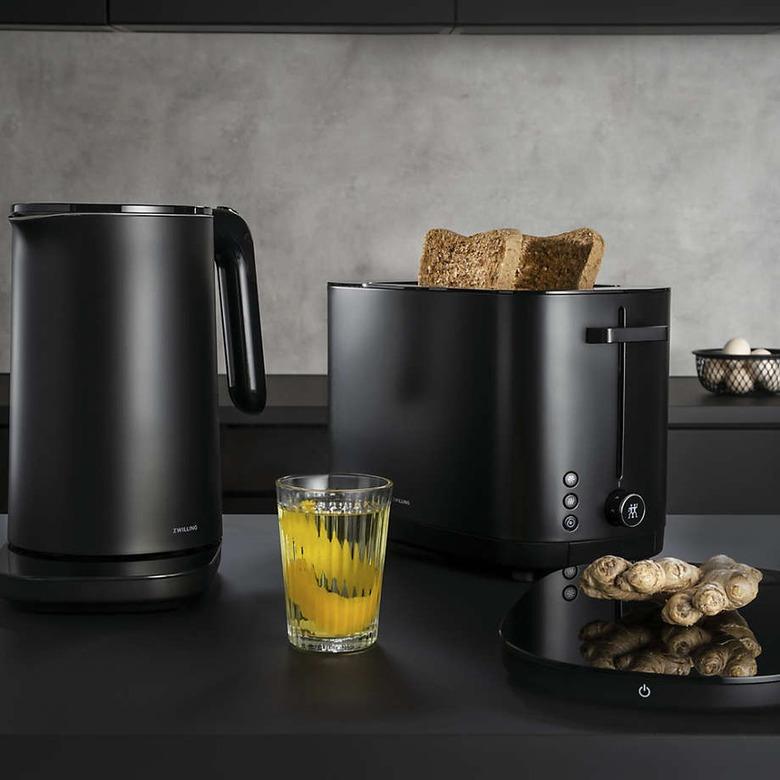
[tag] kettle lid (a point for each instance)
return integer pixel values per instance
(29, 210)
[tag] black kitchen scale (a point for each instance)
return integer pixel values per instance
(548, 643)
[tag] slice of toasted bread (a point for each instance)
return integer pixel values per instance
(452, 260)
(507, 259)
(569, 261)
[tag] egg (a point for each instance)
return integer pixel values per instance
(737, 346)
(714, 370)
(766, 372)
(739, 381)
(759, 368)
(771, 380)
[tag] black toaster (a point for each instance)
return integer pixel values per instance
(521, 429)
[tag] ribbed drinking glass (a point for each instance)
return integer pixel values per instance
(333, 535)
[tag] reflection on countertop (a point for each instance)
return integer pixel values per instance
(721, 645)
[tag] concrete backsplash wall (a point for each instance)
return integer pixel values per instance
(341, 151)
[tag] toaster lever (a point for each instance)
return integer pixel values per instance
(626, 335)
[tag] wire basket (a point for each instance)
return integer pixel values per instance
(738, 374)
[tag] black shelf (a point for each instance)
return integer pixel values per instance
(284, 15)
(397, 16)
(54, 14)
(617, 16)
(690, 405)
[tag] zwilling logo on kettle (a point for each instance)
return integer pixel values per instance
(185, 529)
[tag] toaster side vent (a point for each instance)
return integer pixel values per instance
(621, 396)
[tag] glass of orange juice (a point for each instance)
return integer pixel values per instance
(333, 535)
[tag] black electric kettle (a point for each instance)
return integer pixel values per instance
(114, 485)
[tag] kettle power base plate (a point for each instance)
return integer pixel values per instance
(47, 584)
(542, 651)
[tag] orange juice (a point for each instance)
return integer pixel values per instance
(332, 559)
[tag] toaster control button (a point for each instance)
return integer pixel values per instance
(627, 509)
(569, 593)
(571, 479)
(570, 572)
(570, 523)
(570, 501)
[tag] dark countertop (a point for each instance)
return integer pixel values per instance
(213, 690)
(302, 399)
(222, 665)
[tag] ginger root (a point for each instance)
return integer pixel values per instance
(661, 576)
(724, 585)
(612, 577)
(598, 580)
(720, 584)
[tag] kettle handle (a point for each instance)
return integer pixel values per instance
(234, 256)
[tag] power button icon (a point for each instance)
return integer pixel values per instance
(644, 691)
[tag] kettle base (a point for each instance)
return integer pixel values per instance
(106, 584)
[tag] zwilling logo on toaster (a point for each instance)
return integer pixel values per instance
(185, 529)
(403, 501)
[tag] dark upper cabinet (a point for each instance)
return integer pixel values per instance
(464, 16)
(617, 15)
(54, 14)
(285, 15)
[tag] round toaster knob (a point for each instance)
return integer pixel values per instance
(624, 508)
